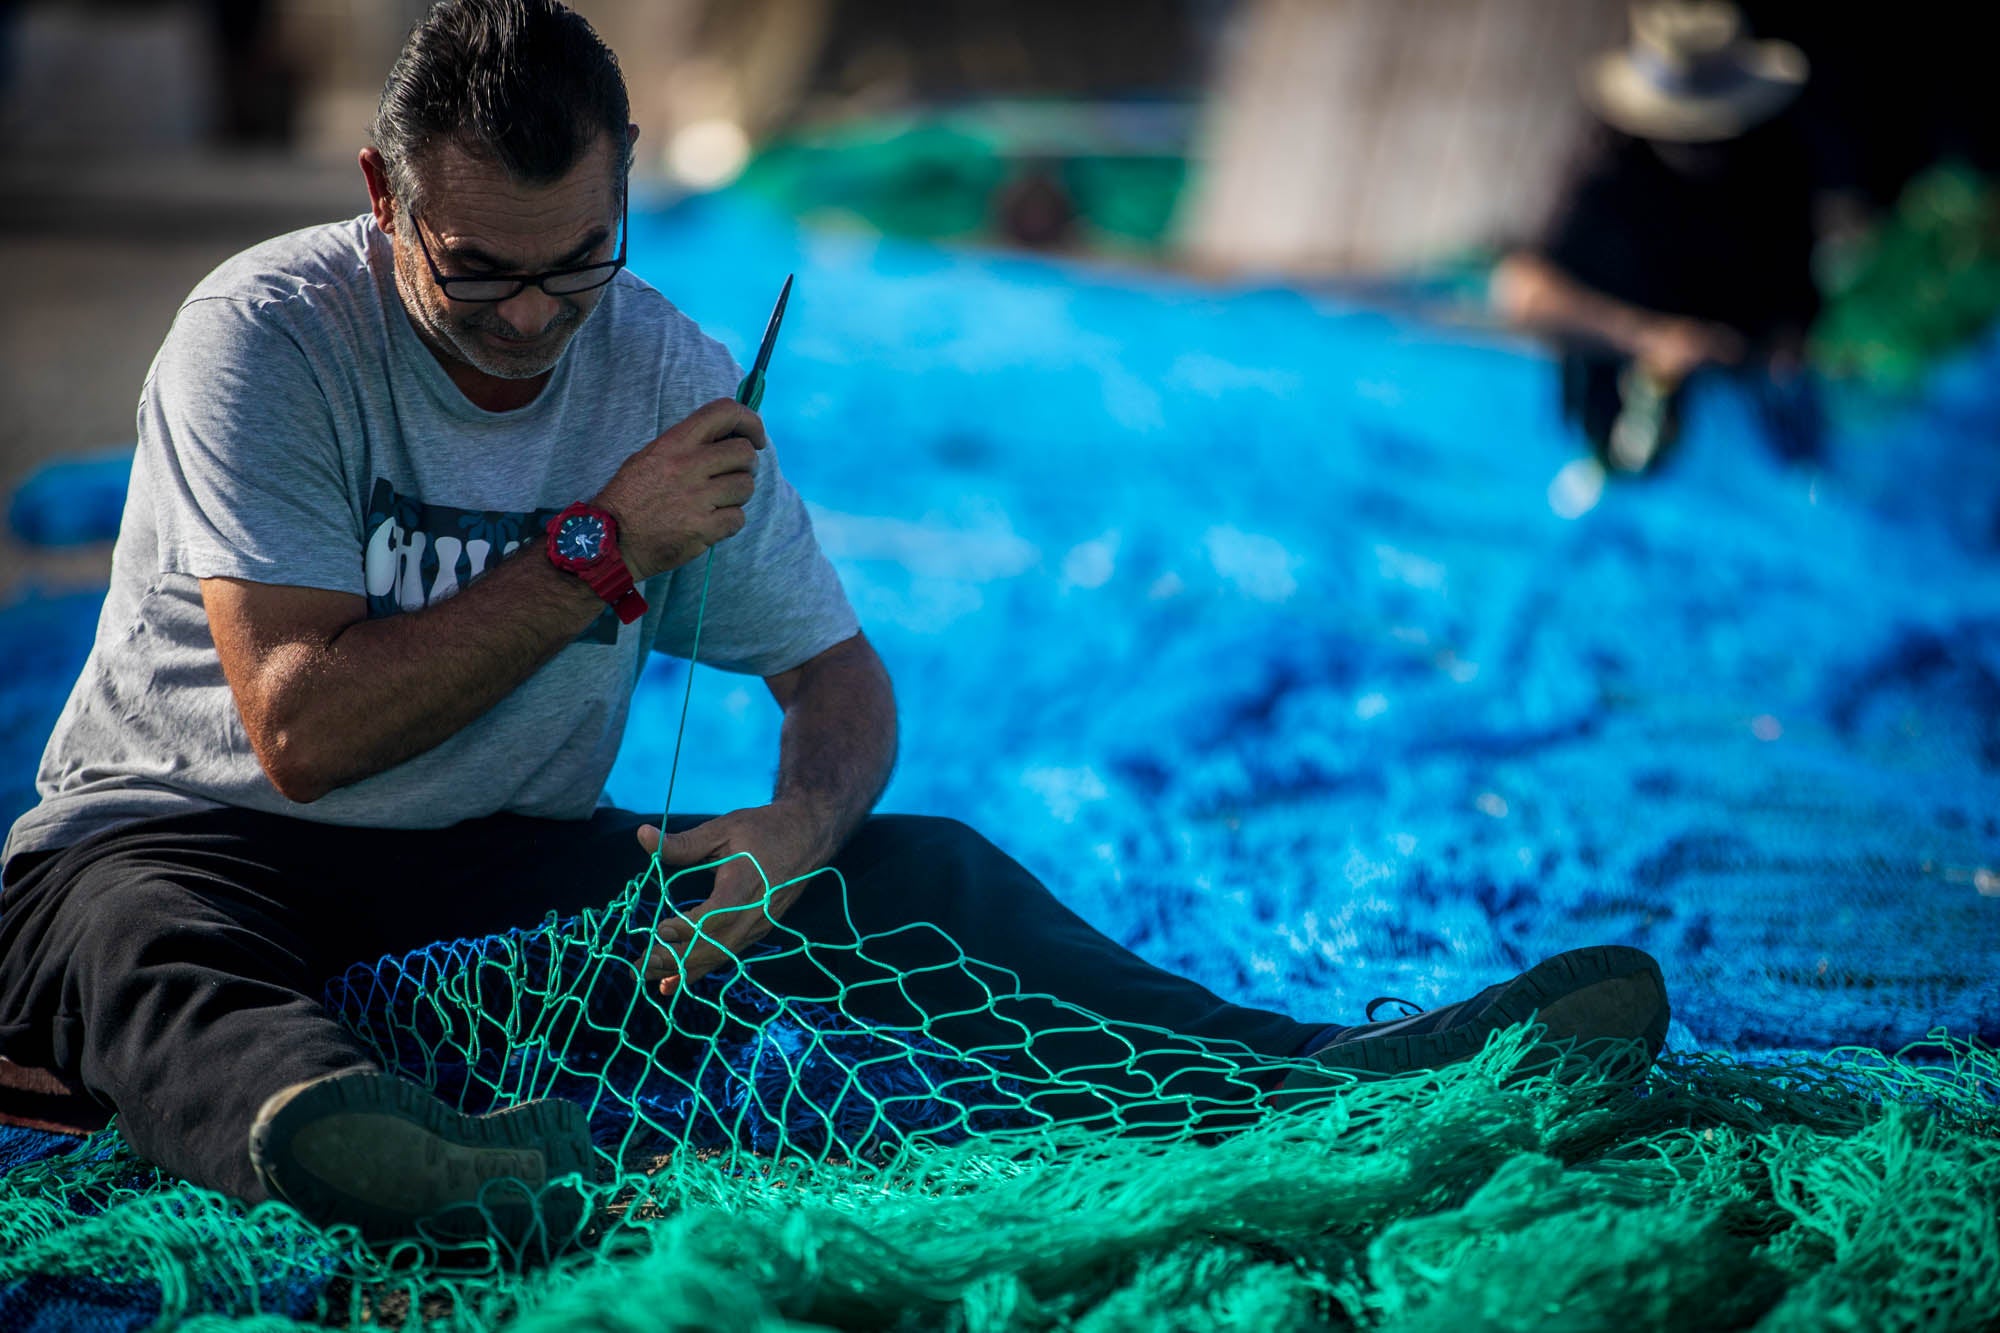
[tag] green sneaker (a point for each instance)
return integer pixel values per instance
(381, 1153)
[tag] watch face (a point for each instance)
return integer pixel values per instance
(581, 537)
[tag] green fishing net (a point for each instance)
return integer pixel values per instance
(775, 1162)
(940, 179)
(1924, 282)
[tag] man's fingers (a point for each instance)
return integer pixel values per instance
(689, 847)
(696, 965)
(751, 427)
(732, 918)
(701, 960)
(733, 456)
(724, 417)
(732, 488)
(725, 496)
(681, 955)
(670, 941)
(724, 523)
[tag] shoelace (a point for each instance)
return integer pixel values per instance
(1409, 1010)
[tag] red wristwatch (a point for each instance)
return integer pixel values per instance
(583, 540)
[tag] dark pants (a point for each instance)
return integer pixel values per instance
(173, 967)
(1788, 406)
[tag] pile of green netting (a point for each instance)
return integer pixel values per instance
(771, 1163)
(1923, 283)
(940, 179)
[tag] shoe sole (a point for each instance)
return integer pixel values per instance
(1582, 997)
(336, 1152)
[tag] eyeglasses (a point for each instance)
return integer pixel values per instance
(486, 287)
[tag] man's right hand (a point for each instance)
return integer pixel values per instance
(1671, 347)
(685, 491)
(330, 695)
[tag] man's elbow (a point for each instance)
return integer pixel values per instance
(300, 775)
(1518, 290)
(293, 750)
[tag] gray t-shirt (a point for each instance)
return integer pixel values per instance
(294, 430)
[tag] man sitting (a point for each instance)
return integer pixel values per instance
(415, 495)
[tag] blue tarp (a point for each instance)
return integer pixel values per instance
(1255, 623)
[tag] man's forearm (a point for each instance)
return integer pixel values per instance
(385, 690)
(1534, 294)
(838, 744)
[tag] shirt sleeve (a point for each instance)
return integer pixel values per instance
(774, 599)
(241, 445)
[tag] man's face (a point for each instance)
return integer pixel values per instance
(479, 220)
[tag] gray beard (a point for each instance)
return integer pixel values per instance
(458, 338)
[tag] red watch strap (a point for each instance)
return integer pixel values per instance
(612, 581)
(629, 607)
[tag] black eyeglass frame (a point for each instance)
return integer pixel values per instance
(521, 281)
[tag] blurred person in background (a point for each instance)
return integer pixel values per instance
(1682, 240)
(1034, 210)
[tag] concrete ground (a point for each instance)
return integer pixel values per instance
(97, 257)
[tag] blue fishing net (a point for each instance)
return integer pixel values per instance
(1254, 624)
(1280, 637)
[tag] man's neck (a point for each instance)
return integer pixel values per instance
(490, 391)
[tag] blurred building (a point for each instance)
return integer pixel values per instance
(1369, 135)
(1295, 135)
(91, 78)
(1288, 136)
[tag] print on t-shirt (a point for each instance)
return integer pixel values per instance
(418, 554)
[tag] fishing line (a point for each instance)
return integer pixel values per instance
(751, 393)
(687, 695)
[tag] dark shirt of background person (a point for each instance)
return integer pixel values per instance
(1721, 232)
(1682, 240)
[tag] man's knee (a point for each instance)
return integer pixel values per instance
(918, 838)
(927, 865)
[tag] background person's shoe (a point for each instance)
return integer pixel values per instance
(381, 1153)
(1588, 997)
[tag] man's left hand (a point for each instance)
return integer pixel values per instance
(786, 842)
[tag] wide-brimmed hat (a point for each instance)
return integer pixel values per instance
(1691, 75)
